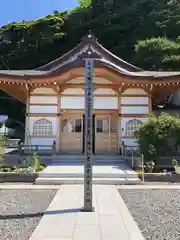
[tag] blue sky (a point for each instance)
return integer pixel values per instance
(18, 10)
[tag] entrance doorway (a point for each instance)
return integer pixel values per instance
(71, 135)
(106, 139)
(105, 134)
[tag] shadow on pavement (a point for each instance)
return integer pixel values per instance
(38, 214)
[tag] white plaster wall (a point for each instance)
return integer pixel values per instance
(101, 91)
(32, 120)
(44, 90)
(72, 102)
(134, 110)
(101, 81)
(124, 121)
(135, 100)
(79, 103)
(43, 141)
(43, 99)
(43, 109)
(73, 91)
(134, 91)
(105, 103)
(76, 80)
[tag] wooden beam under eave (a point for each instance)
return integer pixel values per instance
(80, 85)
(15, 91)
(115, 77)
(61, 78)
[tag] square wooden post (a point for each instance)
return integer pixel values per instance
(88, 136)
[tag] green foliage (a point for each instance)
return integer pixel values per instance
(11, 124)
(2, 149)
(5, 169)
(175, 163)
(36, 164)
(27, 170)
(158, 53)
(42, 166)
(85, 3)
(117, 24)
(157, 135)
(143, 32)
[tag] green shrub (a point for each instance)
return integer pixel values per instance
(36, 165)
(157, 135)
(2, 149)
(175, 163)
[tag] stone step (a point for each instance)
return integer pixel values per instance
(95, 162)
(105, 181)
(68, 171)
(81, 175)
(96, 159)
(65, 157)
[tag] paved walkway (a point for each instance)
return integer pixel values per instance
(64, 221)
(31, 186)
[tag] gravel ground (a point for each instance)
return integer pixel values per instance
(21, 211)
(157, 212)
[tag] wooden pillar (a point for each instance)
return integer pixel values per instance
(27, 131)
(150, 99)
(109, 127)
(119, 132)
(58, 123)
(150, 103)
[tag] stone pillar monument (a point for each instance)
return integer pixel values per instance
(88, 136)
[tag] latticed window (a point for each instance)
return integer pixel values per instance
(71, 125)
(102, 126)
(132, 126)
(42, 127)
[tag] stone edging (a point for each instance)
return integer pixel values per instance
(160, 177)
(157, 174)
(17, 177)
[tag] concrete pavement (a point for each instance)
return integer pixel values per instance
(63, 219)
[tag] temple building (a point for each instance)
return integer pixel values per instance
(123, 97)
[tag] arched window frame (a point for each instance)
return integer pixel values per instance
(42, 128)
(131, 127)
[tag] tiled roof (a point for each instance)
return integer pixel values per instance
(22, 72)
(89, 47)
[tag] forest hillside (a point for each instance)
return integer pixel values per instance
(145, 33)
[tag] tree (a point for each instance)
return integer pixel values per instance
(10, 123)
(157, 135)
(118, 25)
(158, 53)
(85, 3)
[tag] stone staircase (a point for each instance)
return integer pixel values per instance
(97, 159)
(108, 169)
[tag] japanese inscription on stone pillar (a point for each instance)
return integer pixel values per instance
(88, 135)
